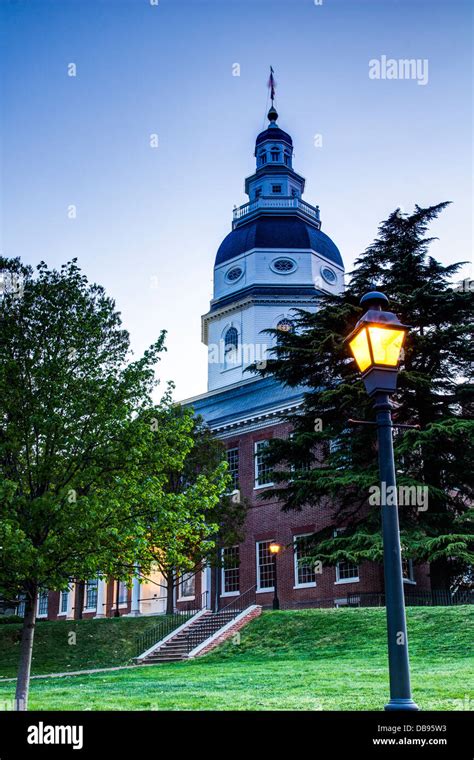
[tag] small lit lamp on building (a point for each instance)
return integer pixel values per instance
(376, 343)
(275, 549)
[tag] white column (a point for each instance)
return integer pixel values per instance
(70, 601)
(135, 606)
(101, 598)
(206, 585)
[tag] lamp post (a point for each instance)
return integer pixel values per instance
(275, 550)
(376, 343)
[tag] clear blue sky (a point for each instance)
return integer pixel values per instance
(149, 221)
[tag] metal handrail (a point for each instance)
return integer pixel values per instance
(154, 635)
(237, 605)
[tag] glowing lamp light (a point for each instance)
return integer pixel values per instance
(376, 344)
(274, 547)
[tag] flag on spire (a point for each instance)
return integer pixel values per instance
(272, 84)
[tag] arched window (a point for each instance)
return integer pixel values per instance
(231, 345)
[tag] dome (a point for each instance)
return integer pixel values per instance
(274, 133)
(277, 232)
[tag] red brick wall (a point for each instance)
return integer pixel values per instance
(266, 521)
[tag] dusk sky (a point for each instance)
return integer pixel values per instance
(149, 220)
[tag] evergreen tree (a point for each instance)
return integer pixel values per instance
(334, 463)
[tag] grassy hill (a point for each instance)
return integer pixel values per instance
(296, 660)
(98, 644)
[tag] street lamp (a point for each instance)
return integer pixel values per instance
(274, 551)
(376, 343)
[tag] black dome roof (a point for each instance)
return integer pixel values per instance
(274, 133)
(277, 232)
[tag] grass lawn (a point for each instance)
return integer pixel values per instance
(296, 660)
(98, 644)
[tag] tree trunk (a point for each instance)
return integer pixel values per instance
(81, 586)
(170, 593)
(26, 650)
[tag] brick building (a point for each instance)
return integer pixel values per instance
(276, 259)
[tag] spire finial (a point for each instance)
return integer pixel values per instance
(272, 114)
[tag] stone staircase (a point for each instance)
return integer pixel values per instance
(179, 646)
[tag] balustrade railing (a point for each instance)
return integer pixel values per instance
(279, 203)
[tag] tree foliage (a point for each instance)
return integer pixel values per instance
(334, 463)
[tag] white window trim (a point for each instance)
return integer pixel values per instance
(259, 589)
(228, 593)
(63, 614)
(182, 598)
(340, 581)
(310, 584)
(121, 604)
(43, 614)
(91, 609)
(255, 469)
(353, 579)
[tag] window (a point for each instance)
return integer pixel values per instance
(287, 158)
(258, 193)
(347, 571)
(275, 154)
(91, 594)
(265, 566)
(231, 346)
(43, 604)
(234, 274)
(231, 339)
(305, 574)
(63, 600)
(230, 570)
(262, 158)
(283, 266)
(276, 188)
(122, 592)
(233, 463)
(328, 275)
(294, 192)
(263, 475)
(187, 586)
(408, 571)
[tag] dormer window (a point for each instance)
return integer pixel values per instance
(275, 154)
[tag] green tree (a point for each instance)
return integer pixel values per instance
(197, 512)
(334, 463)
(81, 458)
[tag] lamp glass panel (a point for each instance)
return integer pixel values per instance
(359, 346)
(386, 345)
